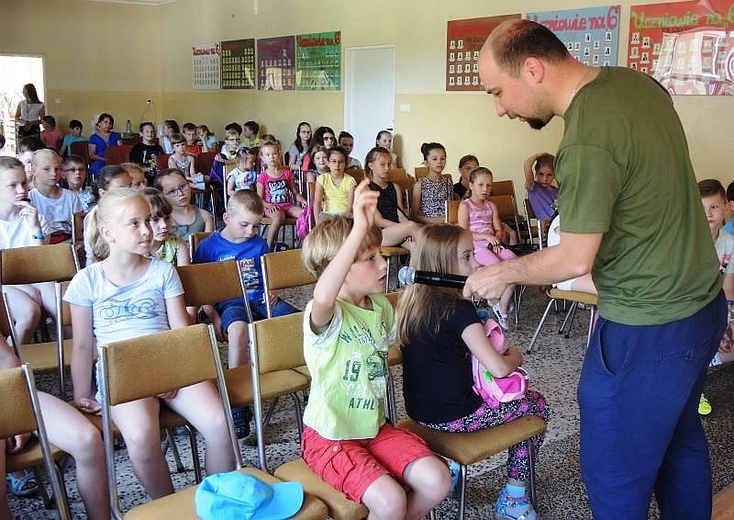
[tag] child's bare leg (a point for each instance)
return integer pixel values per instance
(73, 433)
(237, 341)
(200, 405)
(506, 298)
(47, 293)
(295, 211)
(25, 308)
(429, 480)
(277, 218)
(386, 499)
(138, 422)
(397, 234)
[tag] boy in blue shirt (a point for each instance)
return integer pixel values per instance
(239, 240)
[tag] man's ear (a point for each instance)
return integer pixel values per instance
(534, 68)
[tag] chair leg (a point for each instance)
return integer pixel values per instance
(462, 490)
(531, 464)
(566, 325)
(299, 415)
(592, 319)
(171, 443)
(270, 412)
(194, 452)
(540, 326)
(387, 278)
(392, 411)
(48, 503)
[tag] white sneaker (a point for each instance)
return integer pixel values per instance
(501, 318)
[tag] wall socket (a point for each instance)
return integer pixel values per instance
(149, 101)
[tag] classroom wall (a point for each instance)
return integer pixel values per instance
(143, 51)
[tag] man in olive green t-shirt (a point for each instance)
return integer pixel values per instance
(632, 217)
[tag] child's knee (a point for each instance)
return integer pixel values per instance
(385, 498)
(429, 476)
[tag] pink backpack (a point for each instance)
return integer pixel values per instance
(496, 390)
(302, 222)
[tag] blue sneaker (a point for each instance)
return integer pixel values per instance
(514, 508)
(241, 417)
(455, 469)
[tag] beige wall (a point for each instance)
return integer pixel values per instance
(113, 56)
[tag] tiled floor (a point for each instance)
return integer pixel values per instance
(554, 368)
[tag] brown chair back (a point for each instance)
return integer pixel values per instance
(278, 343)
(204, 162)
(210, 283)
(506, 187)
(35, 264)
(195, 239)
(117, 154)
(451, 211)
(282, 270)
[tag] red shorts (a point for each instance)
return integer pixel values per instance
(352, 465)
(282, 206)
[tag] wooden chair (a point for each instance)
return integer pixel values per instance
(117, 154)
(537, 228)
(41, 264)
(77, 236)
(507, 209)
(420, 171)
(204, 161)
(209, 283)
(21, 413)
(283, 270)
(195, 239)
(276, 350)
(81, 149)
(469, 448)
(398, 173)
(161, 161)
(357, 174)
(451, 211)
(506, 187)
(405, 183)
(575, 297)
(340, 507)
(156, 363)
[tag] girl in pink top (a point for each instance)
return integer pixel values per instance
(479, 215)
(277, 187)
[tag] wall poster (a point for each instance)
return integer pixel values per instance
(687, 46)
(238, 64)
(319, 61)
(205, 63)
(591, 34)
(464, 40)
(276, 60)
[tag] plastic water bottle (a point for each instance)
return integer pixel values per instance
(128, 127)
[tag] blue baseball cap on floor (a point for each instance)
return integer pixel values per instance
(240, 496)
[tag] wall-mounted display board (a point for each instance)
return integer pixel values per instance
(205, 62)
(276, 63)
(464, 40)
(238, 64)
(590, 34)
(319, 61)
(687, 46)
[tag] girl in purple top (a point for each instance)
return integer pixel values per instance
(539, 177)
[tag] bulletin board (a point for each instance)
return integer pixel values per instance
(464, 40)
(276, 60)
(319, 61)
(238, 64)
(591, 34)
(687, 46)
(205, 62)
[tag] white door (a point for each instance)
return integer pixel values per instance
(369, 95)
